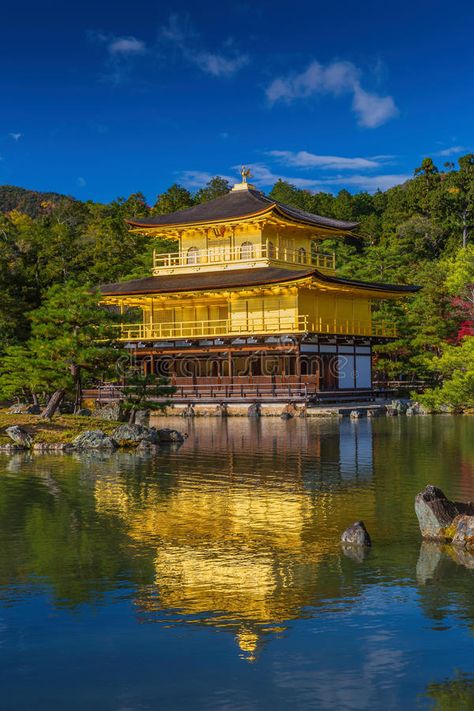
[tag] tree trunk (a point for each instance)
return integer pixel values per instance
(76, 374)
(132, 416)
(53, 404)
(35, 398)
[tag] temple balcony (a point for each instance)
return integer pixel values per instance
(246, 256)
(252, 326)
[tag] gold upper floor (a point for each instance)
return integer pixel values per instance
(248, 245)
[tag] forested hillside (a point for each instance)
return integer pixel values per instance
(421, 232)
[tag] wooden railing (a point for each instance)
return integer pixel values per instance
(247, 253)
(250, 326)
(211, 329)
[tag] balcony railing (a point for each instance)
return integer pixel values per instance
(211, 329)
(220, 256)
(252, 326)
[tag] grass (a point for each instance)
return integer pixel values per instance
(62, 428)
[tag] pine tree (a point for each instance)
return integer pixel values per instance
(71, 335)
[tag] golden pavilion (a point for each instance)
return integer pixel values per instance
(248, 305)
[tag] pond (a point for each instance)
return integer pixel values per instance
(211, 577)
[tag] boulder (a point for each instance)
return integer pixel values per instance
(356, 414)
(435, 512)
(19, 436)
(254, 410)
(374, 411)
(9, 448)
(94, 439)
(400, 406)
(356, 535)
(166, 436)
(111, 411)
(84, 412)
(439, 517)
(222, 410)
(24, 409)
(131, 435)
(416, 408)
(391, 411)
(286, 416)
(189, 411)
(142, 417)
(464, 533)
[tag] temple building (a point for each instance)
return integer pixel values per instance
(248, 305)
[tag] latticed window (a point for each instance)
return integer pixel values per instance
(193, 255)
(302, 255)
(246, 250)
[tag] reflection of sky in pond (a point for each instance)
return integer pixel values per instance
(212, 577)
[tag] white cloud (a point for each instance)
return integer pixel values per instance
(195, 179)
(371, 183)
(15, 136)
(372, 110)
(81, 182)
(121, 51)
(335, 79)
(126, 45)
(451, 151)
(264, 177)
(218, 64)
(303, 159)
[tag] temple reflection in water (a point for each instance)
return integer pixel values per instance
(241, 550)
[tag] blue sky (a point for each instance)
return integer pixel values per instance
(100, 99)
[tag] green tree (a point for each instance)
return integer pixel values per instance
(141, 390)
(19, 375)
(71, 335)
(175, 198)
(214, 188)
(455, 366)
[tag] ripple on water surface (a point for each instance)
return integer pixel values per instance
(226, 550)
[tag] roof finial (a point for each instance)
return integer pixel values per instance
(245, 173)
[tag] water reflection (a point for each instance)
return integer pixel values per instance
(455, 694)
(241, 548)
(237, 534)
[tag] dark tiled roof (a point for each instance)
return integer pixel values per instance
(235, 278)
(239, 204)
(205, 280)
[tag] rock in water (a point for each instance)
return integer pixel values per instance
(464, 535)
(167, 435)
(254, 410)
(19, 436)
(132, 435)
(94, 439)
(443, 520)
(435, 513)
(356, 535)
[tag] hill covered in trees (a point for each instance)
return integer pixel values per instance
(421, 232)
(31, 202)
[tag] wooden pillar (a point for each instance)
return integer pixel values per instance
(229, 361)
(298, 363)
